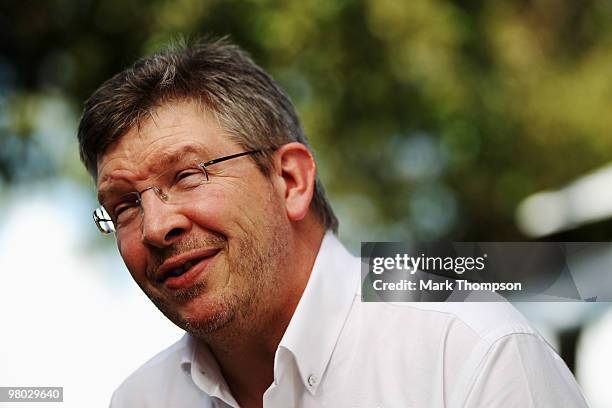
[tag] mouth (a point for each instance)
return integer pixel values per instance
(183, 271)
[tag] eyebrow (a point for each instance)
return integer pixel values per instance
(166, 160)
(169, 158)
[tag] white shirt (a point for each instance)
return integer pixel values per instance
(341, 352)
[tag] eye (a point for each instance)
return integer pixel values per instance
(123, 210)
(119, 209)
(190, 178)
(186, 174)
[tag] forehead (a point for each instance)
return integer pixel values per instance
(168, 131)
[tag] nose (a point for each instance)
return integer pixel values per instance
(162, 223)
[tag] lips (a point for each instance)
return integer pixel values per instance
(182, 271)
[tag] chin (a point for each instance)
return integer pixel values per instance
(202, 315)
(202, 324)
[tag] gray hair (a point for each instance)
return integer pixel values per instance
(248, 103)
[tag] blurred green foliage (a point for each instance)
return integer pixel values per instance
(430, 118)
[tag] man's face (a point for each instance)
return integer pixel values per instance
(206, 261)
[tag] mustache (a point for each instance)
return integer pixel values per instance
(160, 255)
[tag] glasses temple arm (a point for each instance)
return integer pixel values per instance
(233, 156)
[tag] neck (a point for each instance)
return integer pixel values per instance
(245, 349)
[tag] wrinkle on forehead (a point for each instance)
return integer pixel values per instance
(173, 155)
(157, 164)
(150, 118)
(141, 155)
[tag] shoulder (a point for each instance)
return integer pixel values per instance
(484, 353)
(489, 321)
(155, 378)
(160, 365)
(477, 321)
(445, 337)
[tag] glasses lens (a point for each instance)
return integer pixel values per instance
(103, 221)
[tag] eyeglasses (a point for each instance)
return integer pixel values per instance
(181, 186)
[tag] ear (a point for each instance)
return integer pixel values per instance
(296, 171)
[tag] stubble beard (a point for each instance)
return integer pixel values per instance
(254, 264)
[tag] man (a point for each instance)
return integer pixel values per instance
(206, 179)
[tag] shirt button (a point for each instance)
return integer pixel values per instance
(312, 380)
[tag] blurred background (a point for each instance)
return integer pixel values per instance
(464, 121)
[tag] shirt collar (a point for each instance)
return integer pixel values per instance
(322, 311)
(198, 363)
(312, 332)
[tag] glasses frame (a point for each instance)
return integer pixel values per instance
(101, 215)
